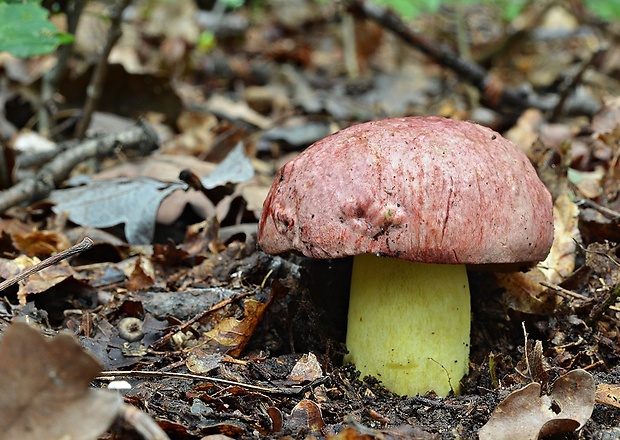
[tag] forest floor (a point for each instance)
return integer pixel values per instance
(218, 339)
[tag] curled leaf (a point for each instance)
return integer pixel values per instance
(527, 415)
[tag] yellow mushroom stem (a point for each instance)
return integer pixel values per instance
(409, 324)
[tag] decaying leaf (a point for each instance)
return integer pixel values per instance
(560, 262)
(533, 367)
(102, 204)
(608, 394)
(305, 415)
(527, 415)
(143, 274)
(524, 293)
(200, 362)
(606, 123)
(234, 334)
(41, 243)
(306, 369)
(357, 431)
(44, 280)
(44, 388)
(235, 168)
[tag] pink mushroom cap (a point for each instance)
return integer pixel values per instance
(424, 189)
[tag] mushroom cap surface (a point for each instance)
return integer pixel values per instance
(425, 189)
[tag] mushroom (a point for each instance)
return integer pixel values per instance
(414, 199)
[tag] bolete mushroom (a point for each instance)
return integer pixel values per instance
(414, 199)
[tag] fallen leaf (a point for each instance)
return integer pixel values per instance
(41, 243)
(306, 369)
(234, 334)
(608, 394)
(44, 388)
(229, 109)
(357, 431)
(200, 362)
(525, 293)
(142, 276)
(106, 203)
(44, 280)
(560, 262)
(306, 415)
(235, 168)
(606, 123)
(527, 415)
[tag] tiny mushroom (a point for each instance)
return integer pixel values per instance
(414, 199)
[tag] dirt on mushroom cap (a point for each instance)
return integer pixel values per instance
(424, 189)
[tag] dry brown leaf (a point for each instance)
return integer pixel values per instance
(201, 362)
(44, 388)
(305, 415)
(197, 132)
(608, 394)
(221, 105)
(306, 369)
(606, 123)
(44, 280)
(357, 431)
(526, 131)
(560, 262)
(234, 334)
(143, 274)
(524, 293)
(41, 243)
(526, 415)
(13, 226)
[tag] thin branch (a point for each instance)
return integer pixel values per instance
(83, 245)
(141, 138)
(95, 87)
(573, 82)
(291, 390)
(51, 80)
(494, 93)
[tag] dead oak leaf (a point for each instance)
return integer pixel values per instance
(44, 388)
(527, 415)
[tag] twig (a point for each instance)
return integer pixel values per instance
(599, 309)
(566, 292)
(351, 61)
(526, 355)
(494, 93)
(572, 83)
(142, 138)
(607, 212)
(83, 245)
(5, 174)
(50, 81)
(96, 83)
(289, 390)
(198, 317)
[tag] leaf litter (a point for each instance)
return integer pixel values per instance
(45, 388)
(187, 271)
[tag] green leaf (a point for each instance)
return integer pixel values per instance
(25, 30)
(605, 9)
